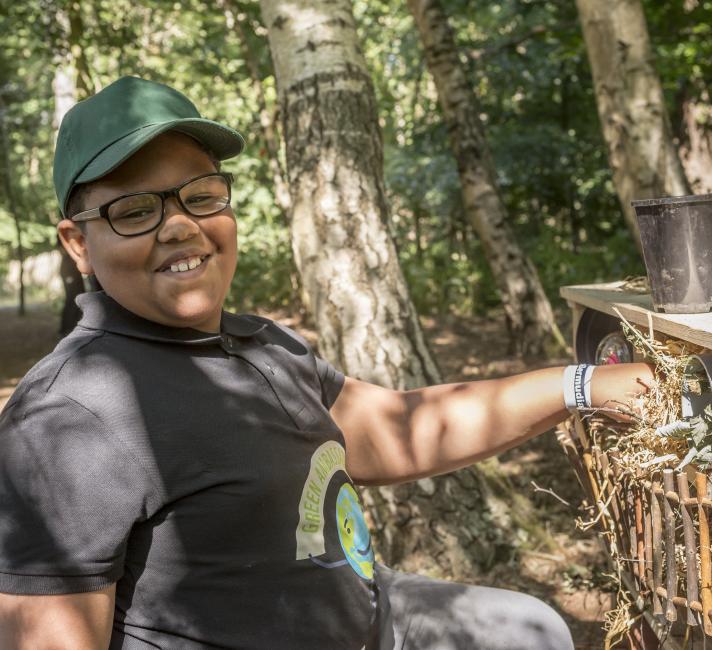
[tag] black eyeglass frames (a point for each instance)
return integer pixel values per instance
(142, 212)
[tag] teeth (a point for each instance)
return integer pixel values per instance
(186, 265)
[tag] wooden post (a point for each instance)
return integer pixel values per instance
(616, 505)
(657, 526)
(671, 583)
(566, 435)
(690, 548)
(640, 536)
(649, 577)
(705, 562)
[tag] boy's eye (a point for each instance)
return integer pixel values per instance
(138, 214)
(200, 199)
(135, 209)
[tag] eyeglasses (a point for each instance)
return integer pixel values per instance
(142, 212)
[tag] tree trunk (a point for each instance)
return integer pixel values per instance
(342, 247)
(72, 81)
(84, 81)
(347, 260)
(528, 311)
(631, 106)
(73, 285)
(12, 205)
(235, 17)
(696, 141)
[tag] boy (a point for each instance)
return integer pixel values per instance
(175, 476)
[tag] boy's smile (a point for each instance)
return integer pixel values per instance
(176, 275)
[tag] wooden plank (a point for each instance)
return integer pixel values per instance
(637, 308)
(612, 492)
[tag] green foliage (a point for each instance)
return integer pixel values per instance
(528, 68)
(265, 263)
(188, 45)
(525, 59)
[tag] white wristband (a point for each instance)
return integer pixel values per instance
(569, 395)
(577, 386)
(587, 377)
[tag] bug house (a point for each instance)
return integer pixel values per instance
(646, 473)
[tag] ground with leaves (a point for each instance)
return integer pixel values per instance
(571, 578)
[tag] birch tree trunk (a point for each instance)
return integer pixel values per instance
(72, 81)
(13, 206)
(342, 247)
(528, 311)
(696, 146)
(347, 260)
(631, 106)
(235, 17)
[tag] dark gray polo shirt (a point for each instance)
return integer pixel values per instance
(200, 472)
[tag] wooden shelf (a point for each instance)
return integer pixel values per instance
(638, 309)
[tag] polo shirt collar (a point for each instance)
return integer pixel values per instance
(101, 312)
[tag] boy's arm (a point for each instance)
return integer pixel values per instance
(394, 436)
(58, 622)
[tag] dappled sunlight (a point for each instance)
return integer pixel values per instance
(418, 181)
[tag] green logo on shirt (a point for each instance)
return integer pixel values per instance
(353, 534)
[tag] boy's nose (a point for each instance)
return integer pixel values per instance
(177, 223)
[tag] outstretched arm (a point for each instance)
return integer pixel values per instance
(395, 436)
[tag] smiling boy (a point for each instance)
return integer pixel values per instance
(175, 476)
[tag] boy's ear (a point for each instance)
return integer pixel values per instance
(74, 241)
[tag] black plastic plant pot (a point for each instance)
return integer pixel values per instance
(676, 234)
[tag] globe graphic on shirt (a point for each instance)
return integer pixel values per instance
(353, 532)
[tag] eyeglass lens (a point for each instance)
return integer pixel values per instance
(132, 215)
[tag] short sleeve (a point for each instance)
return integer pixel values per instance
(69, 498)
(332, 381)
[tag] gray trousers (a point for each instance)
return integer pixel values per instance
(421, 613)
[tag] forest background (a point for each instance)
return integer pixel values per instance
(404, 161)
(526, 61)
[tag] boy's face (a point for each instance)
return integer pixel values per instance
(135, 271)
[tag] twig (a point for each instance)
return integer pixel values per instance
(602, 511)
(551, 492)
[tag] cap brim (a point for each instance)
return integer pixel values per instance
(222, 141)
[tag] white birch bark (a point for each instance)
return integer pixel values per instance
(631, 106)
(65, 92)
(527, 308)
(696, 148)
(342, 246)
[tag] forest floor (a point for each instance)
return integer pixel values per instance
(573, 578)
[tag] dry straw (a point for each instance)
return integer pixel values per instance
(640, 449)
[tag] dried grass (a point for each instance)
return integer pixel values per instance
(640, 450)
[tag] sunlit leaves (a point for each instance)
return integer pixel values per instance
(525, 59)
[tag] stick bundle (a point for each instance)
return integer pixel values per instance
(657, 529)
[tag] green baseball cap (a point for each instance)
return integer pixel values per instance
(101, 132)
